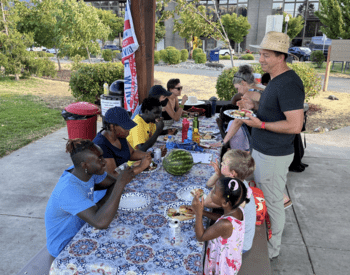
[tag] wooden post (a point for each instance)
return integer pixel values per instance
(144, 16)
(326, 77)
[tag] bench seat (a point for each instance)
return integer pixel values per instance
(40, 264)
(256, 260)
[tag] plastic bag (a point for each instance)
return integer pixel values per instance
(187, 145)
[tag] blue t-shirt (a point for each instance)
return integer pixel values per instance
(284, 92)
(250, 220)
(70, 197)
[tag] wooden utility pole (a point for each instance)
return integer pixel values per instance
(328, 67)
(144, 16)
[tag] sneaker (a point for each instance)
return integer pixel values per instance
(287, 201)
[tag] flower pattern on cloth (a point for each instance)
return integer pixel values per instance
(224, 256)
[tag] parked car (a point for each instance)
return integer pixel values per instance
(112, 47)
(224, 51)
(36, 49)
(303, 53)
(317, 42)
(52, 50)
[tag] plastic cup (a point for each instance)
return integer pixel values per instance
(257, 78)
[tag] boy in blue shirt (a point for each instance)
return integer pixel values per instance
(71, 203)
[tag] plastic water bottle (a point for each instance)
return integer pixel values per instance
(189, 134)
(105, 88)
(174, 232)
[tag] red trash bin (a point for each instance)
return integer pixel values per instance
(85, 126)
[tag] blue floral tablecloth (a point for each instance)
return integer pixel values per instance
(137, 242)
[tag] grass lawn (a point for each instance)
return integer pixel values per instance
(24, 117)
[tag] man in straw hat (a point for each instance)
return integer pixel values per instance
(280, 116)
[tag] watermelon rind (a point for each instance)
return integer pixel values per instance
(178, 162)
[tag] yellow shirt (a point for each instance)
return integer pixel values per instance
(141, 132)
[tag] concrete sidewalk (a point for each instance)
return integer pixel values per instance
(315, 239)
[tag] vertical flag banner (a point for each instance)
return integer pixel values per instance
(130, 45)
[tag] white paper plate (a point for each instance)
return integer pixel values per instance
(151, 171)
(185, 193)
(228, 113)
(199, 102)
(134, 201)
(176, 206)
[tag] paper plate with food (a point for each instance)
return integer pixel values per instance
(187, 193)
(151, 168)
(179, 211)
(239, 114)
(134, 201)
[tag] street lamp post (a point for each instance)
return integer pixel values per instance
(287, 20)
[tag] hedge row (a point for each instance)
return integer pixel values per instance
(87, 82)
(312, 82)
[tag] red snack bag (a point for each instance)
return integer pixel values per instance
(185, 127)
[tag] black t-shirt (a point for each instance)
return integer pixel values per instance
(284, 93)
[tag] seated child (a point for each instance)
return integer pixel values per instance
(238, 164)
(224, 251)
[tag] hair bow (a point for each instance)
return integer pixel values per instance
(235, 186)
(249, 193)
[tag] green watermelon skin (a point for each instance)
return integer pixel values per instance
(178, 162)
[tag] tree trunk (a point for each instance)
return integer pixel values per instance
(16, 77)
(4, 18)
(231, 57)
(59, 64)
(87, 49)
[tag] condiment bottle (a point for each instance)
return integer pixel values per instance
(195, 121)
(185, 127)
(195, 136)
(189, 134)
(105, 88)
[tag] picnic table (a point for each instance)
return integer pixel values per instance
(137, 241)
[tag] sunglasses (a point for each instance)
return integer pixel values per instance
(178, 88)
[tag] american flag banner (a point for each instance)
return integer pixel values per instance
(130, 45)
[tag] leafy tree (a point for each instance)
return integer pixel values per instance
(115, 23)
(82, 26)
(13, 53)
(335, 16)
(195, 20)
(295, 25)
(160, 32)
(236, 27)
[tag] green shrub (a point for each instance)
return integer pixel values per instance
(224, 87)
(317, 57)
(312, 82)
(200, 58)
(114, 54)
(156, 57)
(163, 55)
(39, 67)
(170, 48)
(247, 56)
(107, 55)
(224, 57)
(195, 52)
(50, 55)
(86, 84)
(174, 56)
(184, 55)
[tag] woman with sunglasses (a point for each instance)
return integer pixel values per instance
(173, 110)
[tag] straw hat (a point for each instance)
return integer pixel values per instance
(274, 41)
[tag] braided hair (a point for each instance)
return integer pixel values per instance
(235, 197)
(77, 148)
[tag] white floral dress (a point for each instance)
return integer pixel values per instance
(224, 256)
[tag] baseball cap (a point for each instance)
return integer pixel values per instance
(158, 90)
(119, 116)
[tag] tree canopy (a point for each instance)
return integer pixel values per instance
(295, 25)
(335, 16)
(236, 27)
